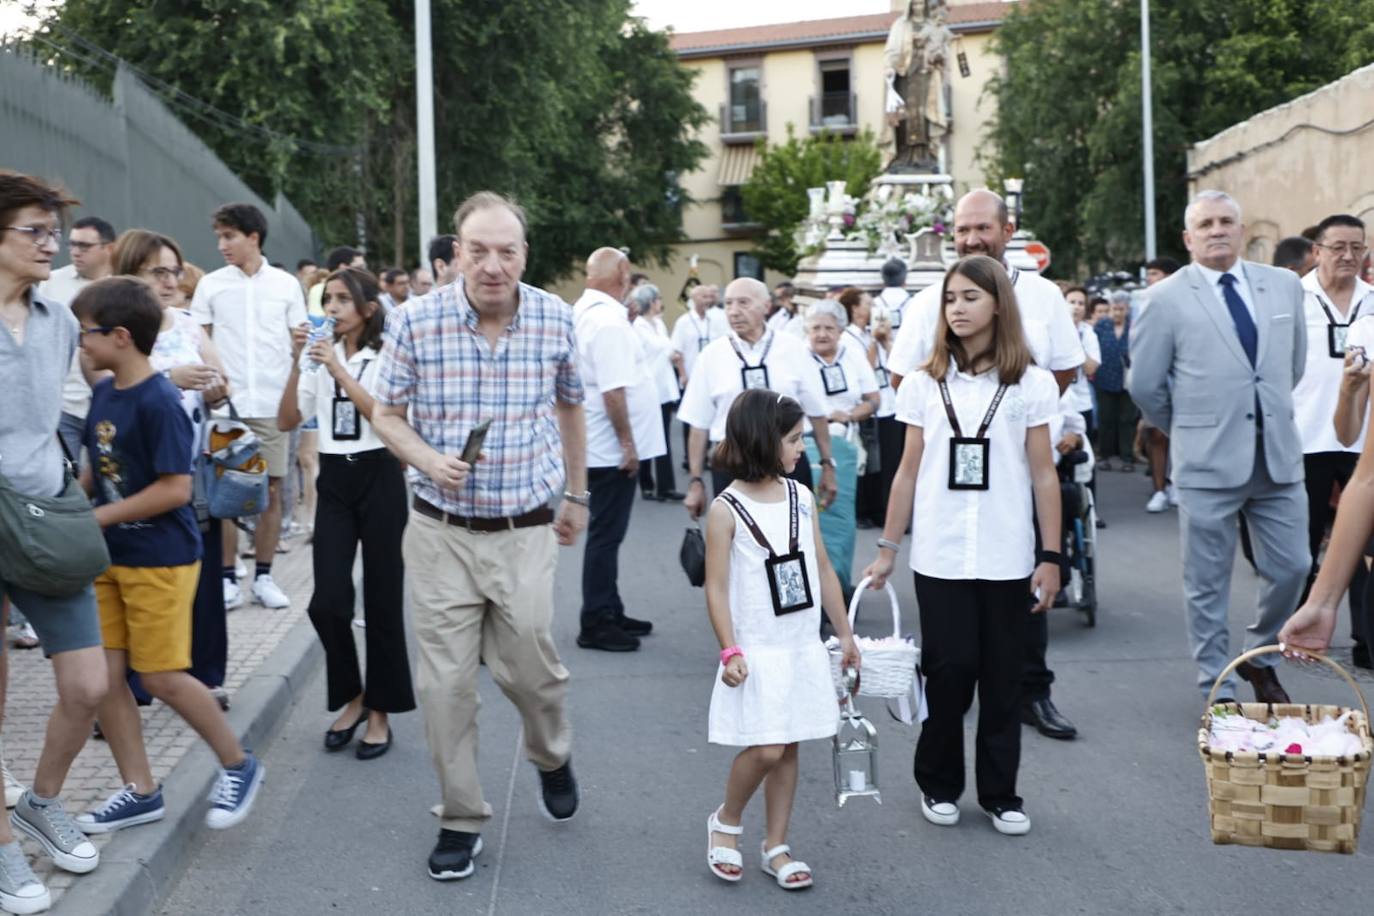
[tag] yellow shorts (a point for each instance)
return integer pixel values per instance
(146, 611)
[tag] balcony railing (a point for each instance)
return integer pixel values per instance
(745, 129)
(836, 112)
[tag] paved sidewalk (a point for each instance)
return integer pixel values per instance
(254, 632)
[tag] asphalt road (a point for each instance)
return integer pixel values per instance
(1119, 815)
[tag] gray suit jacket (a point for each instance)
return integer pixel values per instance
(1190, 376)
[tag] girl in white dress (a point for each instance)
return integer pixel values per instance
(767, 575)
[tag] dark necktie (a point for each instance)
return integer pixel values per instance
(1245, 325)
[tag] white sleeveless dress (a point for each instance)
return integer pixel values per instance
(788, 695)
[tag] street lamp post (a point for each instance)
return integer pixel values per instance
(424, 129)
(1147, 129)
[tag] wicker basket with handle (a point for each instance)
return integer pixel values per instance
(1286, 801)
(889, 669)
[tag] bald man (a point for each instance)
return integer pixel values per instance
(751, 355)
(624, 426)
(982, 225)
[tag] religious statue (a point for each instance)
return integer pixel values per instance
(917, 61)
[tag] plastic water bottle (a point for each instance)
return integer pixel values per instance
(323, 331)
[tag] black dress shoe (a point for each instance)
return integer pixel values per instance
(369, 751)
(337, 739)
(650, 496)
(1101, 524)
(608, 638)
(1264, 681)
(453, 855)
(558, 793)
(671, 496)
(634, 627)
(1359, 656)
(1047, 720)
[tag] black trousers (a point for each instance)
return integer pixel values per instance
(801, 474)
(613, 496)
(362, 500)
(874, 488)
(971, 636)
(1324, 471)
(209, 623)
(656, 474)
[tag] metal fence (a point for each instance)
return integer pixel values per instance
(130, 161)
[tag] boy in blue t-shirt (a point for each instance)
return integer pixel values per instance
(140, 442)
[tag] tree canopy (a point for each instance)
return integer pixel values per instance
(1068, 106)
(573, 107)
(775, 195)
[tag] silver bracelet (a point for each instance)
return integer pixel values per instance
(890, 545)
(583, 499)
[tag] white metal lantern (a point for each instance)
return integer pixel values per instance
(855, 748)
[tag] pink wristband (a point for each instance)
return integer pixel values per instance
(727, 654)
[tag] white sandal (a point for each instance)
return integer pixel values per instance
(717, 856)
(787, 871)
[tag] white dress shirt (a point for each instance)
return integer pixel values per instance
(62, 286)
(717, 381)
(692, 333)
(895, 300)
(786, 322)
(315, 393)
(975, 534)
(887, 398)
(1315, 395)
(1080, 387)
(1045, 320)
(611, 356)
(251, 320)
(858, 376)
(1236, 270)
(658, 347)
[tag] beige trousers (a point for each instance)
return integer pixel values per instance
(490, 595)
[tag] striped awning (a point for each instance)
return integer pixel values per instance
(737, 164)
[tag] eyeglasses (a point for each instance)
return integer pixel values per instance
(39, 235)
(164, 273)
(102, 331)
(1353, 249)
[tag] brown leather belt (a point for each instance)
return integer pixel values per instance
(541, 516)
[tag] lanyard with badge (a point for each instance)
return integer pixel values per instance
(788, 582)
(1336, 333)
(703, 337)
(345, 425)
(832, 374)
(753, 376)
(884, 377)
(968, 457)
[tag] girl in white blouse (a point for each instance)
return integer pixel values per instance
(361, 498)
(977, 447)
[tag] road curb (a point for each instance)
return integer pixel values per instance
(138, 866)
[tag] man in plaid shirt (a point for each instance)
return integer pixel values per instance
(480, 546)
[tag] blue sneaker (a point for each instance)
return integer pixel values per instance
(233, 795)
(125, 808)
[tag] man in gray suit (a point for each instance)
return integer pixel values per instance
(1214, 359)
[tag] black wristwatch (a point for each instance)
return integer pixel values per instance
(1049, 556)
(828, 463)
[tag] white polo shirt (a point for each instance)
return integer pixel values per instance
(1045, 320)
(315, 393)
(692, 333)
(887, 398)
(895, 299)
(62, 286)
(611, 356)
(1080, 388)
(251, 320)
(1315, 395)
(859, 379)
(975, 534)
(718, 381)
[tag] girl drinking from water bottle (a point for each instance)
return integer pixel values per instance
(977, 448)
(767, 576)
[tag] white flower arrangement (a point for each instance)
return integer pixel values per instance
(890, 216)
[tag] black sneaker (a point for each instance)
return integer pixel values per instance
(453, 856)
(558, 793)
(608, 638)
(634, 627)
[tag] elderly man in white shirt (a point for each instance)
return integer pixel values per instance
(624, 425)
(249, 307)
(982, 225)
(752, 356)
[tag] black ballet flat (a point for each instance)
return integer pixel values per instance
(335, 740)
(366, 750)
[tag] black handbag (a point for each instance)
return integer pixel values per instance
(692, 554)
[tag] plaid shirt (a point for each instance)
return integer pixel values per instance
(437, 361)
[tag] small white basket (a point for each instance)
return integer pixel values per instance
(889, 669)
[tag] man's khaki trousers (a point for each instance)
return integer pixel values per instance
(491, 595)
